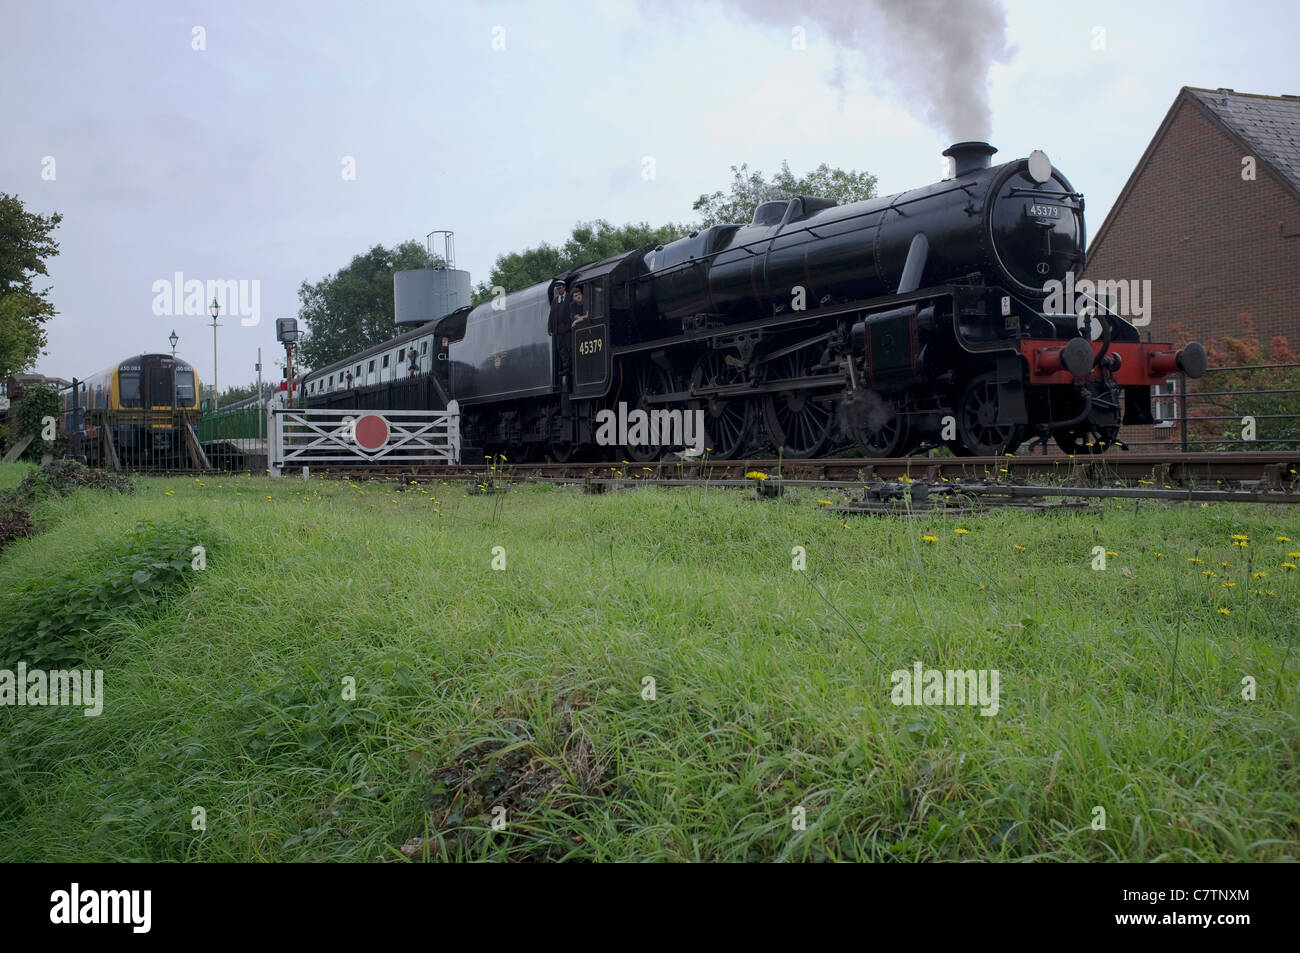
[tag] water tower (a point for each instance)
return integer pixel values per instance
(422, 295)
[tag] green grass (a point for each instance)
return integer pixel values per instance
(11, 474)
(523, 689)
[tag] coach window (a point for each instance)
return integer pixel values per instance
(424, 348)
(357, 375)
(385, 360)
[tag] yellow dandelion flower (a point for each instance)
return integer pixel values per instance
(1208, 573)
(1283, 539)
(168, 493)
(1223, 611)
(961, 532)
(755, 475)
(1229, 585)
(1019, 548)
(1111, 552)
(929, 539)
(1288, 565)
(1294, 555)
(1224, 566)
(824, 502)
(1259, 575)
(1241, 542)
(1193, 559)
(1159, 555)
(1237, 535)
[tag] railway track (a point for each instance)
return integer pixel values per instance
(1265, 471)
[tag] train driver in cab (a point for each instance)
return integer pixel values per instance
(577, 310)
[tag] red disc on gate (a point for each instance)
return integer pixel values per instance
(372, 432)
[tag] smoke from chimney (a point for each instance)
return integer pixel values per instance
(935, 54)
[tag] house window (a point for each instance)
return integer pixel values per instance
(1164, 403)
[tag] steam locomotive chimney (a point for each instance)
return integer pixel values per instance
(969, 156)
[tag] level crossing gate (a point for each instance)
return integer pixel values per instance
(301, 437)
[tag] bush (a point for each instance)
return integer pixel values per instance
(1270, 395)
(38, 402)
(61, 477)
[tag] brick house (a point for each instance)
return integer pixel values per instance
(1211, 216)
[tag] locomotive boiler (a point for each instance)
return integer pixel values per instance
(888, 324)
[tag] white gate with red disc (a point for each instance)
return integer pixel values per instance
(316, 437)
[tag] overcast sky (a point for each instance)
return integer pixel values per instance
(212, 139)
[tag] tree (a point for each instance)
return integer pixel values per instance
(750, 189)
(242, 392)
(589, 242)
(25, 244)
(353, 309)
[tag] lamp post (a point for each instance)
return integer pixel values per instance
(173, 338)
(214, 309)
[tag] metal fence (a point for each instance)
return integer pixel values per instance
(1243, 407)
(133, 439)
(234, 438)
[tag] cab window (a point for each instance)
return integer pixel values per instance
(128, 388)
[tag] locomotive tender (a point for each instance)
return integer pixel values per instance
(888, 324)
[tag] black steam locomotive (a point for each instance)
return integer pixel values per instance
(888, 324)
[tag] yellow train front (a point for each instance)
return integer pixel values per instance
(134, 413)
